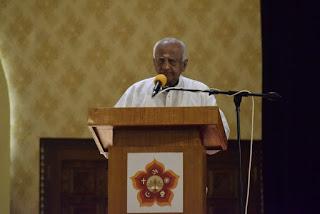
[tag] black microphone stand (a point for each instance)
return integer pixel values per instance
(237, 98)
(237, 101)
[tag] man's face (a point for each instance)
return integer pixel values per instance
(169, 61)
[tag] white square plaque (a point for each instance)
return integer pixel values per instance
(155, 182)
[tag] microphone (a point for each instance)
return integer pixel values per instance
(159, 81)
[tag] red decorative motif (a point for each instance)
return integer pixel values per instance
(155, 184)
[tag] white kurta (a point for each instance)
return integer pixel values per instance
(139, 95)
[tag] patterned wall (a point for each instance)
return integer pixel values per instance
(61, 57)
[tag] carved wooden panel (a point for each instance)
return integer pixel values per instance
(82, 185)
(223, 180)
(73, 177)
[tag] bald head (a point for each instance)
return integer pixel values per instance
(169, 58)
(171, 40)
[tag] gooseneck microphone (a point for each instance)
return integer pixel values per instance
(159, 81)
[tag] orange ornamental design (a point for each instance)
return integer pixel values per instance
(155, 184)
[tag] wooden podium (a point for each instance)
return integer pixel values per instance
(128, 132)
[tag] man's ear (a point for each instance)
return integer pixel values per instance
(185, 63)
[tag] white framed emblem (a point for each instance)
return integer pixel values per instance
(155, 182)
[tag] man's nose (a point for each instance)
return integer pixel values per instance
(166, 65)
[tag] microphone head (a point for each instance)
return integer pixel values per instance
(161, 78)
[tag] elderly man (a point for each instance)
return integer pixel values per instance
(170, 59)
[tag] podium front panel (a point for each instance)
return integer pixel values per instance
(194, 175)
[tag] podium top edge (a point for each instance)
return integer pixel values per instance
(145, 116)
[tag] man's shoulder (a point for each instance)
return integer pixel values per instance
(134, 95)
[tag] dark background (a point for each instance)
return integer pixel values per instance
(291, 129)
